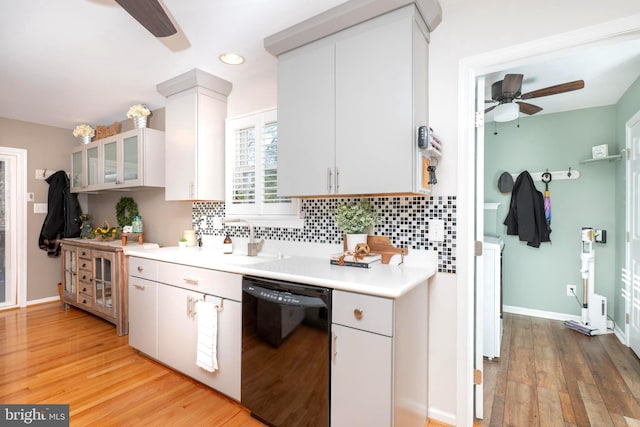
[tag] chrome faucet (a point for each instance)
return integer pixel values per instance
(253, 247)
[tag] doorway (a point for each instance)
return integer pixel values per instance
(470, 70)
(13, 165)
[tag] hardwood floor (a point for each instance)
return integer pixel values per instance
(549, 375)
(52, 355)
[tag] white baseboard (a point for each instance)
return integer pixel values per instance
(442, 417)
(620, 334)
(539, 313)
(43, 300)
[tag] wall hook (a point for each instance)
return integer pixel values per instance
(569, 173)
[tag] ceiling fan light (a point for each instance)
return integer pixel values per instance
(231, 58)
(506, 112)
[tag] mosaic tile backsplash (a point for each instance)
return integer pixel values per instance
(404, 219)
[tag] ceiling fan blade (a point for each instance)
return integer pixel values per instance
(529, 109)
(512, 84)
(151, 15)
(553, 90)
(489, 109)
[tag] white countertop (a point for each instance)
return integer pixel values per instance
(385, 280)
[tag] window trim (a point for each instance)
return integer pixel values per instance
(259, 213)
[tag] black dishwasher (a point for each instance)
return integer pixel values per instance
(286, 352)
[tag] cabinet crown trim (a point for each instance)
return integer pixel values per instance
(191, 79)
(344, 16)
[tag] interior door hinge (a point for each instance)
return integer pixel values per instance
(477, 248)
(628, 237)
(628, 154)
(479, 119)
(626, 318)
(477, 376)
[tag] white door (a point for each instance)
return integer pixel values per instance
(633, 227)
(12, 227)
(479, 237)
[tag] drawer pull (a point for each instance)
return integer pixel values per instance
(140, 269)
(139, 286)
(334, 350)
(190, 281)
(84, 289)
(357, 313)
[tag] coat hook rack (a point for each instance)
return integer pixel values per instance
(555, 175)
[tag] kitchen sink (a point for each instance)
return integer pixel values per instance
(242, 259)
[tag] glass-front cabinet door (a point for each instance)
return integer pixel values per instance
(92, 167)
(131, 153)
(110, 162)
(77, 169)
(69, 272)
(104, 279)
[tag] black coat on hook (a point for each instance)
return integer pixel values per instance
(63, 214)
(526, 213)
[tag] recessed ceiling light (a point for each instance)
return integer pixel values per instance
(231, 58)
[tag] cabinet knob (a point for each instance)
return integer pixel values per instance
(357, 313)
(140, 269)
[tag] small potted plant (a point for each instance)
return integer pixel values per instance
(139, 113)
(182, 243)
(356, 220)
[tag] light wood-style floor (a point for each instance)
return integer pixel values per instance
(548, 375)
(52, 355)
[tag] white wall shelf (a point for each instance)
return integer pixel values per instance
(609, 158)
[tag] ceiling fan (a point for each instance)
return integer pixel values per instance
(508, 90)
(151, 15)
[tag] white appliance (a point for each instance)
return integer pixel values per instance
(492, 256)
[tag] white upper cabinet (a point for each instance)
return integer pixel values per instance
(194, 121)
(130, 159)
(306, 120)
(349, 106)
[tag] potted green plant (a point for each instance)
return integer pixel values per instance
(356, 220)
(182, 243)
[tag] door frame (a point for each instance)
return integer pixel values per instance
(468, 70)
(19, 232)
(628, 215)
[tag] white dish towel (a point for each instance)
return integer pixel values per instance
(206, 357)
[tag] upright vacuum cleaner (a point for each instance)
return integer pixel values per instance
(594, 307)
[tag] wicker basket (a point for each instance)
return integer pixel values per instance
(103, 237)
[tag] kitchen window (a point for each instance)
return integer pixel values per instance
(252, 169)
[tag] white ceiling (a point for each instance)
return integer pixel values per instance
(66, 62)
(608, 69)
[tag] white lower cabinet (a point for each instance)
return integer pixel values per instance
(143, 315)
(379, 359)
(164, 322)
(360, 378)
(178, 335)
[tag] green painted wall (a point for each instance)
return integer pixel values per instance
(626, 108)
(537, 278)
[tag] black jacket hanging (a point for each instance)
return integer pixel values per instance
(63, 214)
(526, 212)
